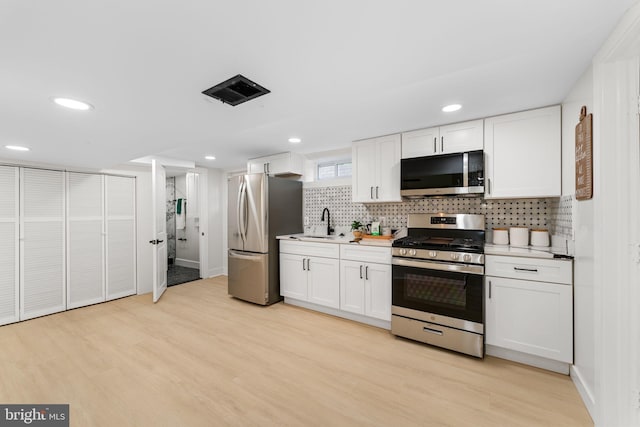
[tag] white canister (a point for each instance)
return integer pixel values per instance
(519, 236)
(539, 237)
(500, 236)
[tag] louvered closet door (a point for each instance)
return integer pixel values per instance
(121, 236)
(9, 248)
(42, 252)
(85, 240)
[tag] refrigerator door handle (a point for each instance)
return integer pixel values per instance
(240, 255)
(242, 211)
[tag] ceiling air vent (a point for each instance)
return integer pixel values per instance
(236, 90)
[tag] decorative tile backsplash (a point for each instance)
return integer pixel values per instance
(561, 215)
(532, 213)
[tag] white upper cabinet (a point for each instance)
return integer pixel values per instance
(523, 154)
(277, 164)
(376, 169)
(461, 137)
(419, 143)
(455, 138)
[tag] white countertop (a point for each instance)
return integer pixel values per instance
(346, 240)
(523, 251)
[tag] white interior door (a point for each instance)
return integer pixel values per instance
(158, 185)
(120, 219)
(9, 247)
(42, 249)
(85, 239)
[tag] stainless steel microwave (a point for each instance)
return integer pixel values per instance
(446, 174)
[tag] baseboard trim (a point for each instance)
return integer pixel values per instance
(384, 324)
(215, 272)
(187, 263)
(584, 391)
(528, 359)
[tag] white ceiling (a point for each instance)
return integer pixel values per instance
(337, 70)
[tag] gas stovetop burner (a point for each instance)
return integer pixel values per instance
(444, 243)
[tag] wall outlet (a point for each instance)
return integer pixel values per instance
(306, 220)
(383, 221)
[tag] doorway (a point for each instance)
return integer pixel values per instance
(183, 227)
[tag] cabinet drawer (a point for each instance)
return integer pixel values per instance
(326, 250)
(377, 254)
(539, 270)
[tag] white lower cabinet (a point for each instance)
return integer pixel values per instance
(525, 313)
(352, 281)
(293, 277)
(310, 278)
(365, 288)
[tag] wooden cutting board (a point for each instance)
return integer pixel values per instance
(369, 236)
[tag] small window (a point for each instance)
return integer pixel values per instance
(335, 169)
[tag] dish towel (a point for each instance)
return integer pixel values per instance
(180, 214)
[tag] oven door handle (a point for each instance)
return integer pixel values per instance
(432, 331)
(430, 265)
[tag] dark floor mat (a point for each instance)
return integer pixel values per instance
(178, 275)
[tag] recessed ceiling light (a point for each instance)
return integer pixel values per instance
(16, 148)
(295, 140)
(451, 108)
(210, 157)
(72, 103)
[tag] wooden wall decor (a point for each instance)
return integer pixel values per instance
(584, 157)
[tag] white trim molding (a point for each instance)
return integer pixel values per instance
(616, 189)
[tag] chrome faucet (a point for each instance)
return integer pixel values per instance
(328, 220)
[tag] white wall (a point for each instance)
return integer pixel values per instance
(217, 220)
(583, 371)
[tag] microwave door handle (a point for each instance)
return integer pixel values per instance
(465, 170)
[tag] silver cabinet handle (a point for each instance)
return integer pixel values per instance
(264, 167)
(366, 273)
(435, 141)
(531, 270)
(303, 260)
(372, 192)
(432, 331)
(489, 185)
(361, 272)
(308, 264)
(442, 144)
(489, 289)
(377, 193)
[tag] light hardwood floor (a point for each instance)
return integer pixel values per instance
(202, 358)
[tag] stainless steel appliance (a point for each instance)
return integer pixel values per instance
(437, 289)
(457, 173)
(260, 208)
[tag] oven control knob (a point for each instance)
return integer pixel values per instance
(467, 258)
(403, 251)
(433, 254)
(455, 256)
(413, 252)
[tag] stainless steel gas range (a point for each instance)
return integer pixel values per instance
(437, 290)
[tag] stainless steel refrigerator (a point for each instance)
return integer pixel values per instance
(260, 208)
